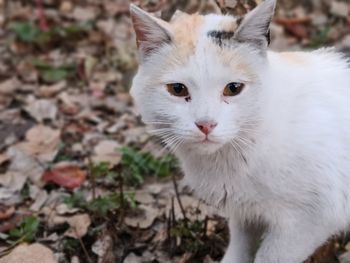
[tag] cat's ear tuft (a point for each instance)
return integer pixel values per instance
(151, 33)
(254, 27)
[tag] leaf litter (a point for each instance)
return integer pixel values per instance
(80, 178)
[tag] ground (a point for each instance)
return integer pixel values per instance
(80, 178)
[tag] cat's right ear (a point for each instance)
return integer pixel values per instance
(151, 33)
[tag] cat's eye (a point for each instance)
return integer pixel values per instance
(233, 89)
(177, 89)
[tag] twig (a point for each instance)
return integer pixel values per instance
(205, 227)
(91, 176)
(88, 258)
(41, 14)
(173, 222)
(122, 203)
(178, 198)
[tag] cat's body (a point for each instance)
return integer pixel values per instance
(276, 152)
(296, 169)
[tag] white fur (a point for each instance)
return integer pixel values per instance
(281, 157)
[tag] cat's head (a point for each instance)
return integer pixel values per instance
(199, 78)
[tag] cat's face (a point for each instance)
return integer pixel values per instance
(199, 79)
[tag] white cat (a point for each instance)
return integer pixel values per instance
(263, 136)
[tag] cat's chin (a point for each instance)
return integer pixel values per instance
(205, 147)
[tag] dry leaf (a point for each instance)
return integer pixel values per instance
(132, 258)
(3, 158)
(69, 176)
(143, 220)
(101, 246)
(340, 9)
(13, 181)
(66, 7)
(41, 142)
(40, 200)
(42, 109)
(25, 164)
(143, 197)
(48, 91)
(116, 7)
(69, 104)
(107, 151)
(6, 212)
(30, 254)
(79, 224)
(8, 87)
(84, 14)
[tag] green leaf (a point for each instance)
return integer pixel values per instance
(54, 74)
(27, 229)
(25, 31)
(103, 204)
(100, 169)
(138, 164)
(50, 73)
(77, 199)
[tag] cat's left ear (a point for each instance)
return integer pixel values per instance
(151, 32)
(255, 26)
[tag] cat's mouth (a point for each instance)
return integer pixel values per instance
(207, 141)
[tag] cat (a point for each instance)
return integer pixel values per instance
(261, 135)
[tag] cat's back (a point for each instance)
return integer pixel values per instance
(307, 107)
(308, 81)
(315, 67)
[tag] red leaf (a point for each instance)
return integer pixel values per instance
(297, 30)
(6, 212)
(41, 14)
(69, 176)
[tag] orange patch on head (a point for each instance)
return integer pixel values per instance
(185, 32)
(295, 58)
(228, 25)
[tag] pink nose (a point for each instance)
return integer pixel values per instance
(206, 126)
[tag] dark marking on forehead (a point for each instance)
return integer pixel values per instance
(220, 36)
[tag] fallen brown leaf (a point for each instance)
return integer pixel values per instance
(6, 212)
(30, 254)
(41, 142)
(79, 224)
(107, 151)
(69, 176)
(145, 217)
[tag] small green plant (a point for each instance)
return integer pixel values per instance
(50, 73)
(190, 234)
(25, 193)
(62, 154)
(26, 31)
(70, 245)
(26, 230)
(137, 164)
(101, 205)
(320, 38)
(30, 33)
(77, 199)
(102, 169)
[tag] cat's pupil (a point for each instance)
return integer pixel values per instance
(178, 88)
(234, 86)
